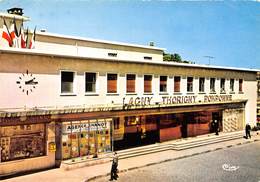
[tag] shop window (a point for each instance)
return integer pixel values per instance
(240, 85)
(222, 85)
(148, 83)
(177, 84)
(190, 84)
(163, 83)
(90, 81)
(212, 85)
(232, 81)
(111, 83)
(130, 83)
(86, 138)
(132, 120)
(201, 84)
(67, 79)
(22, 142)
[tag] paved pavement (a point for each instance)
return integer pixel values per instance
(91, 173)
(236, 164)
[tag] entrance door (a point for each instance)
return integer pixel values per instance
(216, 116)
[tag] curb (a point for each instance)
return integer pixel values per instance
(173, 159)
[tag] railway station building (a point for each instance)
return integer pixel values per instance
(73, 97)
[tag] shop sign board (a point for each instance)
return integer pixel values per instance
(74, 127)
(168, 100)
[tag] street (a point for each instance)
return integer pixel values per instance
(236, 164)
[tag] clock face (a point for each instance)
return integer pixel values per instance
(27, 82)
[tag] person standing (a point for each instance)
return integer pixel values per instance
(248, 128)
(216, 127)
(113, 173)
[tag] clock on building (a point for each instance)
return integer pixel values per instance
(27, 82)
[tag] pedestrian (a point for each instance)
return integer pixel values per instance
(113, 173)
(216, 127)
(248, 128)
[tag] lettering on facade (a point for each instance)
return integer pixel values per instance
(168, 100)
(217, 98)
(85, 126)
(178, 99)
(138, 101)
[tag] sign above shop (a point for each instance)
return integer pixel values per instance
(169, 100)
(97, 125)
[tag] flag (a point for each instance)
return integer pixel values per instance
(32, 42)
(6, 35)
(22, 37)
(14, 34)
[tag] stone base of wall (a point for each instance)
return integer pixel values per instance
(27, 165)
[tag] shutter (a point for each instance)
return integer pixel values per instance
(130, 83)
(112, 83)
(177, 83)
(147, 86)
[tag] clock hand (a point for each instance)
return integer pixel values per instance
(30, 82)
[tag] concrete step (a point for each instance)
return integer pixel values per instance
(143, 151)
(180, 144)
(206, 141)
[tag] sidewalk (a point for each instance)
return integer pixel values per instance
(90, 173)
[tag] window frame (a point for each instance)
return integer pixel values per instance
(151, 84)
(204, 80)
(178, 91)
(188, 90)
(212, 90)
(96, 83)
(73, 93)
(117, 76)
(160, 91)
(222, 89)
(240, 87)
(126, 85)
(232, 86)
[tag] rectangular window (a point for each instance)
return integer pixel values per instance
(177, 84)
(130, 83)
(240, 85)
(232, 81)
(190, 84)
(110, 54)
(222, 85)
(148, 83)
(111, 83)
(148, 58)
(67, 79)
(163, 83)
(90, 81)
(212, 85)
(202, 85)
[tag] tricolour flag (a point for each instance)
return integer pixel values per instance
(23, 37)
(32, 42)
(14, 35)
(6, 37)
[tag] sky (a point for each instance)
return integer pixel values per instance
(229, 31)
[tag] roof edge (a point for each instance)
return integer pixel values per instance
(36, 52)
(98, 40)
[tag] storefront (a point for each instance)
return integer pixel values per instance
(86, 138)
(147, 126)
(22, 141)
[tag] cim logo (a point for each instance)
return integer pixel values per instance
(228, 167)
